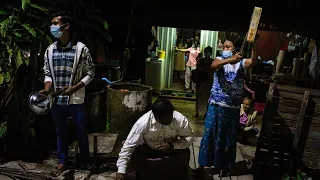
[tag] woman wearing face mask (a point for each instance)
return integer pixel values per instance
(218, 144)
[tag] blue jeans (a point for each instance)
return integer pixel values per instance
(60, 113)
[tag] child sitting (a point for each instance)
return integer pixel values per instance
(247, 118)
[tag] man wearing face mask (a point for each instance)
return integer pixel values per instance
(68, 68)
(161, 133)
(218, 144)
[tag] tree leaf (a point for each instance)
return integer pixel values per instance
(1, 78)
(19, 59)
(49, 39)
(7, 77)
(25, 4)
(4, 26)
(18, 34)
(3, 12)
(105, 25)
(29, 29)
(9, 51)
(43, 9)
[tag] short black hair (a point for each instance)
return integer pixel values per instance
(236, 41)
(207, 50)
(162, 106)
(250, 98)
(65, 17)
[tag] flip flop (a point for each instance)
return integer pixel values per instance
(57, 171)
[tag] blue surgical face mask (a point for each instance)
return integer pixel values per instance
(226, 54)
(55, 31)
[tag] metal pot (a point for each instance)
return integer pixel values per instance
(39, 103)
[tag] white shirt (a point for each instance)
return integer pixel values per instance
(148, 130)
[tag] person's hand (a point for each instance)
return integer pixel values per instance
(236, 58)
(69, 90)
(165, 147)
(43, 92)
(119, 176)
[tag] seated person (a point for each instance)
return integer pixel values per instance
(161, 133)
(247, 119)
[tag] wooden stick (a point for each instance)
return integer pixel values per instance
(253, 27)
(255, 19)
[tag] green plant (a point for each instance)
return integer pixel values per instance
(22, 23)
(19, 25)
(298, 176)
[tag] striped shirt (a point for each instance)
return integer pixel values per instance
(63, 59)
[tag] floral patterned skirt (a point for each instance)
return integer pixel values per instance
(218, 144)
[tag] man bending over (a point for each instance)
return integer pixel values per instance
(158, 144)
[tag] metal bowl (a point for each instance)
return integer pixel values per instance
(39, 103)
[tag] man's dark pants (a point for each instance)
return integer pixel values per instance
(148, 164)
(60, 113)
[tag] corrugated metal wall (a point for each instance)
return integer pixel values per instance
(209, 38)
(167, 38)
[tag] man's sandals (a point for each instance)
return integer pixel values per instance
(58, 170)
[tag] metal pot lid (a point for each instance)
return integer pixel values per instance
(39, 103)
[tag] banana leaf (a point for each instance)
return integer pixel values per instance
(30, 29)
(25, 4)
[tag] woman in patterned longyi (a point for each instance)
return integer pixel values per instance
(218, 144)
